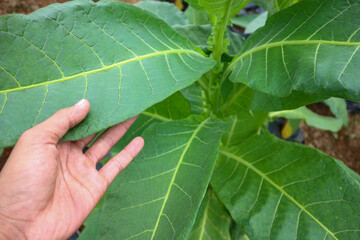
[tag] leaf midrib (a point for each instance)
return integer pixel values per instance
(279, 188)
(138, 58)
(241, 55)
(175, 173)
(203, 222)
(156, 116)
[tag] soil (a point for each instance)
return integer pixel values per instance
(24, 6)
(28, 6)
(344, 145)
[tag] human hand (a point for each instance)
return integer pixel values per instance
(47, 188)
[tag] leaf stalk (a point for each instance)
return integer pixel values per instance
(218, 46)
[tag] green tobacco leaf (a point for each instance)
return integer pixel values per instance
(174, 107)
(265, 102)
(196, 17)
(166, 11)
(239, 99)
(158, 195)
(311, 118)
(92, 220)
(257, 23)
(199, 35)
(338, 108)
(243, 20)
(213, 220)
(296, 49)
(219, 7)
(274, 6)
(245, 98)
(237, 233)
(121, 58)
(193, 94)
(282, 190)
(243, 125)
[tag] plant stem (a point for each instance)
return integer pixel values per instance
(214, 84)
(219, 39)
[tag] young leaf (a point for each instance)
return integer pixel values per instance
(338, 108)
(119, 57)
(282, 190)
(256, 23)
(193, 94)
(165, 11)
(311, 118)
(213, 220)
(158, 195)
(199, 35)
(196, 17)
(174, 107)
(218, 7)
(243, 125)
(296, 49)
(274, 6)
(243, 20)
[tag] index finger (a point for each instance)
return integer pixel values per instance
(55, 127)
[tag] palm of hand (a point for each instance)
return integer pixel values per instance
(55, 185)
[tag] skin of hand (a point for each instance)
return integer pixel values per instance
(47, 187)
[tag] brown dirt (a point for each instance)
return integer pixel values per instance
(344, 145)
(5, 156)
(24, 6)
(28, 6)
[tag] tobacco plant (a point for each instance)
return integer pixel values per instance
(209, 168)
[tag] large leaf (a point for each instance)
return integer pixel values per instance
(158, 195)
(199, 35)
(174, 107)
(213, 220)
(297, 48)
(266, 102)
(281, 190)
(243, 97)
(166, 11)
(237, 233)
(123, 59)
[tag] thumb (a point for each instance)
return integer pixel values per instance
(55, 127)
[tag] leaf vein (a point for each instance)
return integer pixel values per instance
(279, 188)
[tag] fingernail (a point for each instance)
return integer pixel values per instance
(82, 101)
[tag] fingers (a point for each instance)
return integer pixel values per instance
(82, 143)
(121, 160)
(107, 140)
(55, 127)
